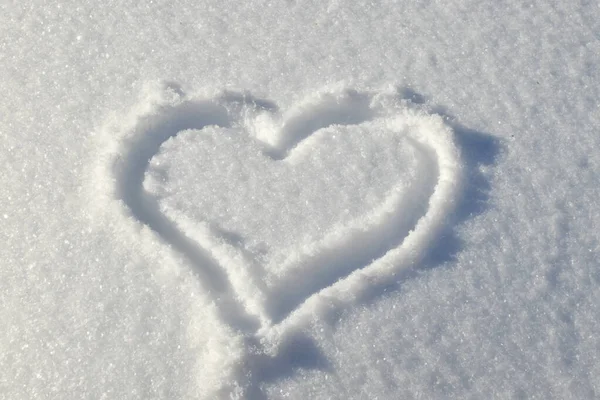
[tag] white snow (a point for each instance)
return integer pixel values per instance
(299, 199)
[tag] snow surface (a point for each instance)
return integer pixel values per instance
(299, 199)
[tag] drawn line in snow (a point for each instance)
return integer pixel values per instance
(387, 249)
(405, 245)
(357, 246)
(137, 147)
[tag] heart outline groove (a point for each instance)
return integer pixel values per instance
(167, 110)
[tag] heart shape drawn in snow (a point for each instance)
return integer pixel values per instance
(287, 215)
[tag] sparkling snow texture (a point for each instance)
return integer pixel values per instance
(299, 199)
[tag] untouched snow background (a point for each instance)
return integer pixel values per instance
(504, 305)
